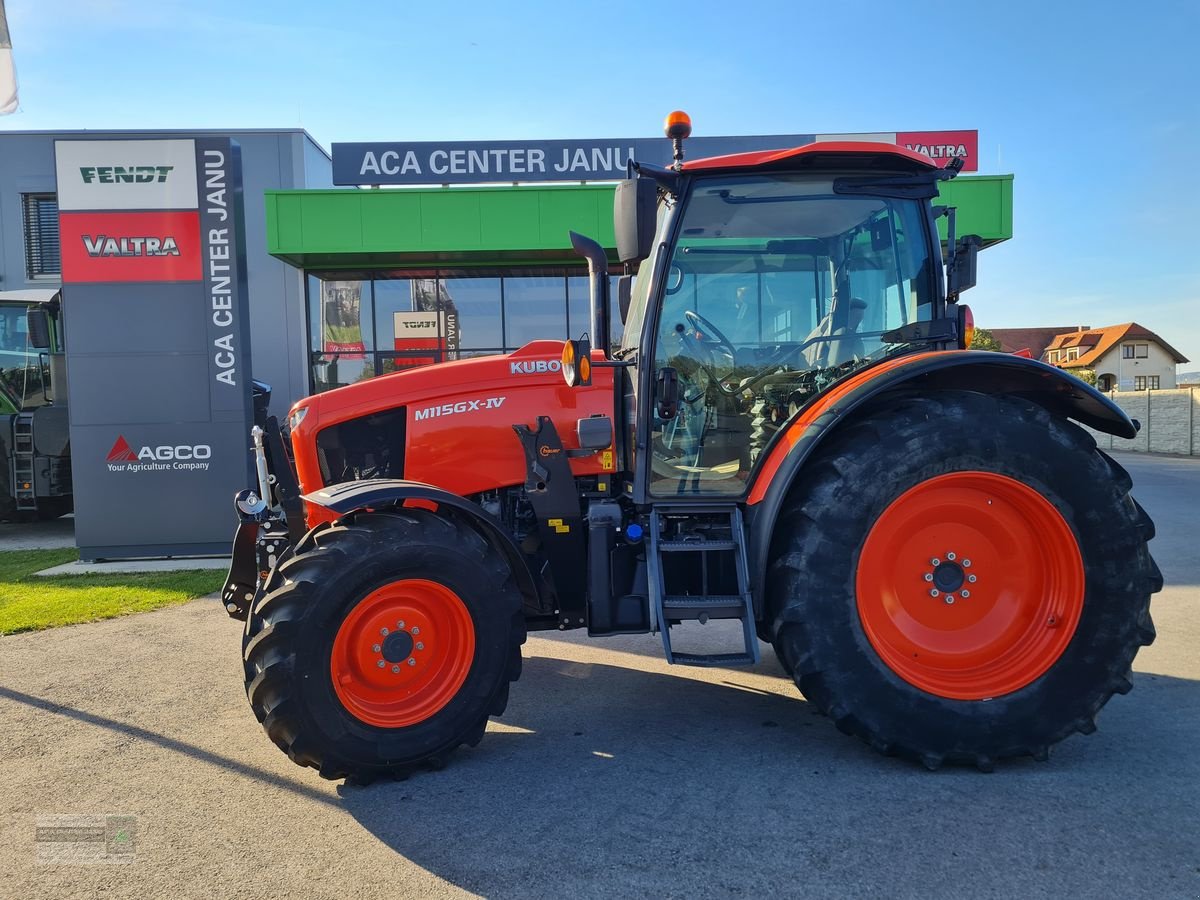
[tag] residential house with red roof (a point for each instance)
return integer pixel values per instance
(1124, 357)
(1034, 340)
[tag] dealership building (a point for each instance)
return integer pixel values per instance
(365, 261)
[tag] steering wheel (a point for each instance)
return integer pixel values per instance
(706, 328)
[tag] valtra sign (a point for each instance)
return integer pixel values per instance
(130, 246)
(605, 159)
(154, 294)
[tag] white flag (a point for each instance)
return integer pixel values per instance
(8, 74)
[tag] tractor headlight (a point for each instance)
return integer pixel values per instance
(296, 416)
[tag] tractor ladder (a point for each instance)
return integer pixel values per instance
(24, 485)
(697, 572)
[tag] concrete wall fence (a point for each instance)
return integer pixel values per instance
(1170, 422)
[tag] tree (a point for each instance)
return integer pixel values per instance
(984, 340)
(1085, 375)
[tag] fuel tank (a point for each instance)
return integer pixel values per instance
(458, 419)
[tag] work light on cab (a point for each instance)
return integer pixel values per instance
(966, 325)
(577, 362)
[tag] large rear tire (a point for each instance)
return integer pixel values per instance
(383, 643)
(960, 578)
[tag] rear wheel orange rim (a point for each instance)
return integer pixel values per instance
(970, 585)
(402, 653)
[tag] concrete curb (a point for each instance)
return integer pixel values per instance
(138, 565)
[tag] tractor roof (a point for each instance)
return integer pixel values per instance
(33, 295)
(821, 155)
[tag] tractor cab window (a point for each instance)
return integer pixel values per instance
(776, 288)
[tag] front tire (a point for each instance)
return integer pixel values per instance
(383, 643)
(879, 623)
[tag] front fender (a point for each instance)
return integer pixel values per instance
(385, 493)
(1057, 391)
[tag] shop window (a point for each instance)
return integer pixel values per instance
(341, 328)
(412, 314)
(43, 258)
(535, 307)
(478, 305)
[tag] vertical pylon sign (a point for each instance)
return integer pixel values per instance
(8, 71)
(154, 304)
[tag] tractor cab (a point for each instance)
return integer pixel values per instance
(773, 287)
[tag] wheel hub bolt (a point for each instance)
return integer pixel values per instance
(966, 564)
(935, 561)
(376, 647)
(952, 556)
(949, 598)
(380, 664)
(411, 661)
(395, 668)
(400, 624)
(383, 631)
(971, 578)
(420, 645)
(929, 576)
(965, 593)
(416, 630)
(934, 592)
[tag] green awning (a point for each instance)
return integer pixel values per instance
(507, 225)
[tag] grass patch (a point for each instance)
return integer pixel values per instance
(30, 603)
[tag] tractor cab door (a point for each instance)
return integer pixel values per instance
(774, 288)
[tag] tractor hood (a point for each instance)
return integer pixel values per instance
(459, 415)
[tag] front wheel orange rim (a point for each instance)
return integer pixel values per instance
(970, 585)
(402, 653)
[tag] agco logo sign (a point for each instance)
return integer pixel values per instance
(163, 458)
(124, 174)
(534, 366)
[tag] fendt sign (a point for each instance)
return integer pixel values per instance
(154, 296)
(479, 162)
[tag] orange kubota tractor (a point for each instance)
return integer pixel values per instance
(789, 435)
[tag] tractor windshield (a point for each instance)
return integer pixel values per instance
(776, 287)
(21, 371)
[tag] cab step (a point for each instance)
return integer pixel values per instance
(688, 529)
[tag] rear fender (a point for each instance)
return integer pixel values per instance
(384, 493)
(1059, 392)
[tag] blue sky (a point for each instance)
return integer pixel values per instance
(1094, 106)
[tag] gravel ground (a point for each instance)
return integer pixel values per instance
(611, 774)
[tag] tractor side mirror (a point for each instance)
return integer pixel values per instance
(667, 391)
(38, 323)
(624, 293)
(961, 274)
(635, 206)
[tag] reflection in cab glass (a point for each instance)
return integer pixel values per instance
(777, 288)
